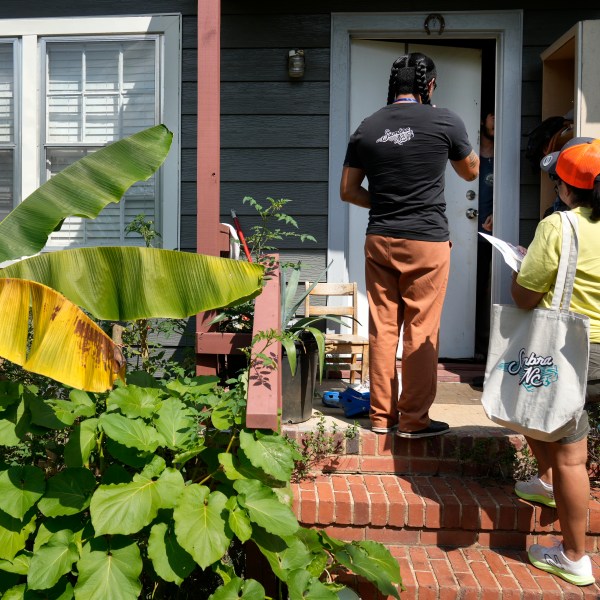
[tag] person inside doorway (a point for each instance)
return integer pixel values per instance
(485, 225)
(402, 150)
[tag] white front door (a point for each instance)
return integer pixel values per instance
(459, 85)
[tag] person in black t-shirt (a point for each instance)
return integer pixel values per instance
(402, 150)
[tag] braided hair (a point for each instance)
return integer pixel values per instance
(410, 75)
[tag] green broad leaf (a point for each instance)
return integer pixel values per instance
(176, 423)
(133, 433)
(249, 589)
(228, 463)
(154, 468)
(169, 487)
(249, 471)
(374, 562)
(14, 533)
(83, 400)
(50, 527)
(283, 554)
(319, 557)
(53, 560)
(238, 520)
(109, 571)
(200, 524)
(330, 543)
(170, 561)
(265, 509)
(182, 457)
(142, 378)
(82, 442)
(51, 414)
(82, 189)
(197, 386)
(20, 489)
(225, 571)
(106, 280)
(14, 424)
(126, 508)
(67, 493)
(222, 417)
(269, 452)
(19, 564)
(129, 456)
(15, 593)
(134, 401)
(11, 392)
(301, 584)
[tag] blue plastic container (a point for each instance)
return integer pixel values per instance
(354, 403)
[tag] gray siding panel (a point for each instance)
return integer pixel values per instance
(284, 164)
(274, 131)
(276, 31)
(275, 98)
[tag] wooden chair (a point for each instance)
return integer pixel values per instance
(341, 348)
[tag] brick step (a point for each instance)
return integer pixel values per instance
(454, 537)
(446, 511)
(469, 450)
(433, 573)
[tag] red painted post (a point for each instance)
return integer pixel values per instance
(264, 384)
(208, 236)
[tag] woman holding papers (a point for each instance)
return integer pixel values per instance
(562, 479)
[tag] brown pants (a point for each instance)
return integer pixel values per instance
(406, 284)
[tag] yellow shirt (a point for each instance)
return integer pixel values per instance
(540, 265)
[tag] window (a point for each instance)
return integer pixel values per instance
(7, 128)
(100, 79)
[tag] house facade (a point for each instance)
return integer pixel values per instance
(74, 76)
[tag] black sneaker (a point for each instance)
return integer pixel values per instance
(435, 428)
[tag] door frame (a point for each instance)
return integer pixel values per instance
(506, 28)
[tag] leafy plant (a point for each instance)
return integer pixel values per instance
(265, 237)
(149, 482)
(318, 444)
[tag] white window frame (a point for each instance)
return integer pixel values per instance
(29, 107)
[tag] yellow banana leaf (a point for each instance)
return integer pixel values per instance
(127, 283)
(82, 189)
(66, 346)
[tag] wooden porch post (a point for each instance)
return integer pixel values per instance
(208, 230)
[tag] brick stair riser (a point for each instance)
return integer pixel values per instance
(430, 511)
(482, 453)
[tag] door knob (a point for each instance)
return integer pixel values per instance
(471, 195)
(471, 213)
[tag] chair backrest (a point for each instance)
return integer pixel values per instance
(325, 290)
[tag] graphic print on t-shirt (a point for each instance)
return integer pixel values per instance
(397, 137)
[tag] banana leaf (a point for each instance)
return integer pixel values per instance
(127, 283)
(66, 345)
(82, 189)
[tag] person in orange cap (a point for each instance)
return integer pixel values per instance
(562, 478)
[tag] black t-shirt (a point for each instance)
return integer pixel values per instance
(404, 149)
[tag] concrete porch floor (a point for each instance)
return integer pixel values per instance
(456, 403)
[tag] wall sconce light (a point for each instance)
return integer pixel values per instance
(296, 63)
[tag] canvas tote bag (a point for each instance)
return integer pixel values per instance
(536, 370)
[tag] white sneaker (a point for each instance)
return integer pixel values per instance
(535, 490)
(553, 560)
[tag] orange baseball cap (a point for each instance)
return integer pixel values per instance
(576, 163)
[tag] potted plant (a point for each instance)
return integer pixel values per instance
(302, 340)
